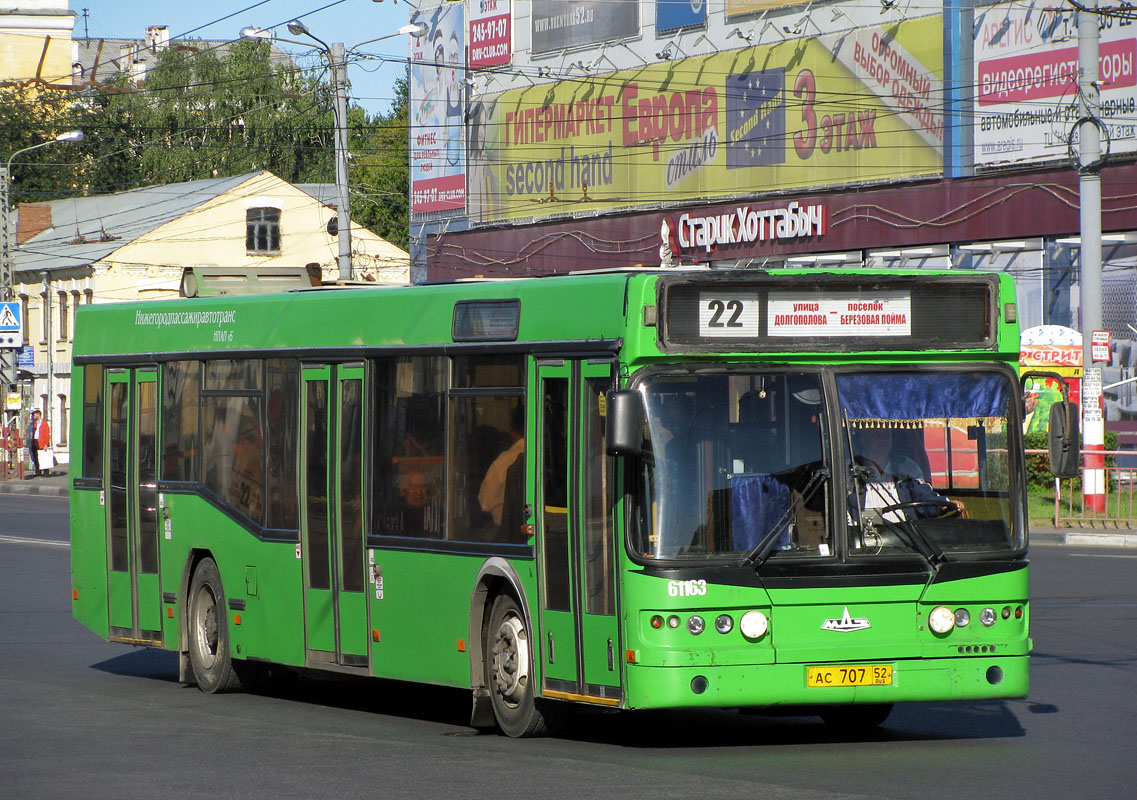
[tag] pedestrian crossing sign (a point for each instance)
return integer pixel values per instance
(11, 325)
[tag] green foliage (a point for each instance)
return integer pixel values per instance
(199, 115)
(202, 116)
(1038, 466)
(380, 177)
(29, 118)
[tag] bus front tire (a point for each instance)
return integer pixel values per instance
(509, 672)
(208, 630)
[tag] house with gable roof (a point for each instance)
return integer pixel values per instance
(135, 245)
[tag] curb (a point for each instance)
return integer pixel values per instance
(1101, 539)
(40, 487)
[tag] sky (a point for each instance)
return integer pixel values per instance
(346, 21)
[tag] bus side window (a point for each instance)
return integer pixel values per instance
(410, 455)
(93, 421)
(181, 438)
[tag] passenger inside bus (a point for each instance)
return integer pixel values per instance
(887, 477)
(499, 494)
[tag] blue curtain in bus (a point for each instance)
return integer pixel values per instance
(757, 502)
(922, 395)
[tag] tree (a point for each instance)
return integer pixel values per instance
(29, 117)
(199, 115)
(204, 114)
(380, 176)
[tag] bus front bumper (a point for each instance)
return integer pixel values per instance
(914, 680)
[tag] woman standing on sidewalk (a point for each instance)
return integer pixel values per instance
(39, 438)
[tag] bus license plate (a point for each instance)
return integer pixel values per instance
(859, 675)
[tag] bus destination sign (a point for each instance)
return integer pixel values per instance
(827, 312)
(840, 314)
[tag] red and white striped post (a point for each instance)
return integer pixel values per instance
(1093, 442)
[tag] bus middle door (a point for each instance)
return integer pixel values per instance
(580, 636)
(134, 594)
(332, 542)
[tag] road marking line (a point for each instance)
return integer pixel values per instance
(24, 540)
(1100, 555)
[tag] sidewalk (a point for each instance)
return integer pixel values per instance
(57, 485)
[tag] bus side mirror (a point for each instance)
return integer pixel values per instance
(625, 423)
(1064, 440)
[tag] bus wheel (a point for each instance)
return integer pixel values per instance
(856, 717)
(209, 632)
(509, 674)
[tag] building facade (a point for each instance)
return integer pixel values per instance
(135, 245)
(35, 43)
(561, 135)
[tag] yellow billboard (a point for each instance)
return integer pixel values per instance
(736, 8)
(858, 106)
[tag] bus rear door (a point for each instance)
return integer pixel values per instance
(579, 631)
(133, 587)
(332, 546)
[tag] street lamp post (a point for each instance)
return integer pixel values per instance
(7, 274)
(337, 64)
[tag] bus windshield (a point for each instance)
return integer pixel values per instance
(928, 461)
(731, 459)
(739, 466)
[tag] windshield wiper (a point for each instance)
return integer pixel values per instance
(765, 546)
(916, 538)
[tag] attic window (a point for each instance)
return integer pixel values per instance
(262, 230)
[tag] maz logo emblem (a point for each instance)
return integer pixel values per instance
(846, 623)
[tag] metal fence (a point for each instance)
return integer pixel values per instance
(1120, 510)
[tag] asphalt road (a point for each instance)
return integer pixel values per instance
(84, 719)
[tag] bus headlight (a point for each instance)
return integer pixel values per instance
(987, 617)
(723, 623)
(942, 619)
(753, 624)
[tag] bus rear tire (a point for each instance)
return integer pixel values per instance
(209, 632)
(856, 717)
(509, 672)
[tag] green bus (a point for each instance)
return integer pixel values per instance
(636, 489)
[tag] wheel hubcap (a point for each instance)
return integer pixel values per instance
(205, 626)
(511, 660)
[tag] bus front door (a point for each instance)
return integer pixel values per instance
(579, 632)
(134, 596)
(332, 543)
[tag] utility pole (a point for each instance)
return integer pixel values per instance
(338, 63)
(7, 282)
(1089, 187)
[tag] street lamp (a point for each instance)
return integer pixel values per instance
(7, 277)
(337, 63)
